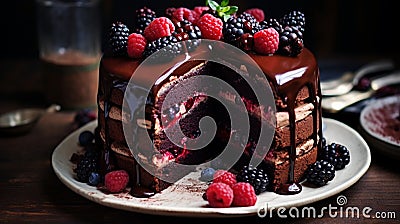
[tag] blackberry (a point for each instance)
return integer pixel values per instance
(144, 17)
(250, 23)
(168, 46)
(254, 176)
(118, 38)
(233, 29)
(294, 19)
(185, 30)
(338, 155)
(85, 167)
(271, 23)
(320, 173)
(290, 42)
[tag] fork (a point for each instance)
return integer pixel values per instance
(348, 80)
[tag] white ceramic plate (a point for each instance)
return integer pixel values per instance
(378, 115)
(184, 197)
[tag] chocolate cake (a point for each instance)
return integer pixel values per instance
(296, 125)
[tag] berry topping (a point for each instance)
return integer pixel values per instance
(136, 45)
(290, 42)
(116, 181)
(85, 138)
(182, 13)
(294, 19)
(243, 194)
(207, 174)
(200, 9)
(250, 23)
(336, 154)
(320, 173)
(254, 176)
(159, 27)
(118, 38)
(169, 46)
(256, 13)
(144, 17)
(94, 179)
(223, 176)
(185, 30)
(266, 41)
(271, 23)
(210, 26)
(219, 195)
(233, 29)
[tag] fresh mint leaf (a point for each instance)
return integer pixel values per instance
(225, 9)
(224, 3)
(226, 17)
(213, 4)
(232, 10)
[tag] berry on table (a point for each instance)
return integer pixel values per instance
(158, 28)
(116, 181)
(136, 45)
(243, 194)
(224, 176)
(84, 116)
(85, 138)
(320, 173)
(210, 26)
(219, 195)
(254, 176)
(266, 41)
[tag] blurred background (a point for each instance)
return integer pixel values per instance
(333, 28)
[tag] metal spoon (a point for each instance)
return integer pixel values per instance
(348, 80)
(21, 121)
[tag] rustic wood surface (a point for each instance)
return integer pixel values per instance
(30, 192)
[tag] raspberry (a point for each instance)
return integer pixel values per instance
(116, 181)
(210, 26)
(223, 176)
(182, 13)
(136, 45)
(200, 9)
(243, 194)
(159, 27)
(219, 195)
(266, 41)
(257, 13)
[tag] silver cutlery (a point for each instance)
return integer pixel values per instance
(348, 80)
(335, 104)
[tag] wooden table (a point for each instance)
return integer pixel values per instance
(30, 192)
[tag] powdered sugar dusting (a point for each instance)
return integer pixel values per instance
(383, 119)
